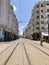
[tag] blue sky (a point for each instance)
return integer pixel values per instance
(23, 9)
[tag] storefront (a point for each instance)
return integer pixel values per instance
(45, 36)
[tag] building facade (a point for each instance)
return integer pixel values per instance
(8, 21)
(39, 20)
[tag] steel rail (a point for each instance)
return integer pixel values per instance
(40, 49)
(29, 62)
(5, 63)
(5, 49)
(42, 46)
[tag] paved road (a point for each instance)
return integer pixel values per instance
(3, 46)
(24, 52)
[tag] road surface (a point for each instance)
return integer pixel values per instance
(24, 52)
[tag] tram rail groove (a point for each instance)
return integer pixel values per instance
(5, 49)
(40, 49)
(29, 62)
(5, 63)
(42, 46)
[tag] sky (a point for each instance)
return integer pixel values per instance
(23, 10)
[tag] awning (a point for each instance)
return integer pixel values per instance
(44, 33)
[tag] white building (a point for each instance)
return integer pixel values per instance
(8, 21)
(39, 20)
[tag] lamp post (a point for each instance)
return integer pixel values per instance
(48, 29)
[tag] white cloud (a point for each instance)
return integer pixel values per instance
(14, 8)
(21, 30)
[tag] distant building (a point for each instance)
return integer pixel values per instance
(8, 21)
(39, 20)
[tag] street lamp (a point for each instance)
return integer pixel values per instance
(48, 29)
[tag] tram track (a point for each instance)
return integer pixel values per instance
(5, 56)
(24, 59)
(35, 54)
(5, 49)
(10, 54)
(42, 46)
(24, 53)
(28, 59)
(35, 45)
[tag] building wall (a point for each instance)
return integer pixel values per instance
(13, 22)
(4, 12)
(8, 20)
(39, 18)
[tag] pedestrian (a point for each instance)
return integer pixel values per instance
(41, 42)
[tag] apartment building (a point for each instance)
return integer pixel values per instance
(8, 21)
(39, 19)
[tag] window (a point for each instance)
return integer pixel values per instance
(37, 17)
(8, 17)
(41, 11)
(0, 31)
(47, 3)
(37, 28)
(41, 5)
(37, 22)
(48, 15)
(42, 27)
(41, 16)
(42, 22)
(47, 10)
(37, 11)
(3, 33)
(37, 6)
